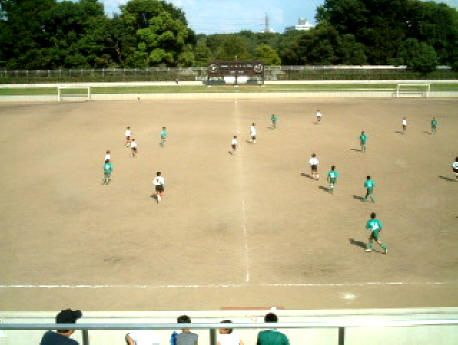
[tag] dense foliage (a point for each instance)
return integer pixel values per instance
(50, 34)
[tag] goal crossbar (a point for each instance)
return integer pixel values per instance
(413, 88)
(71, 92)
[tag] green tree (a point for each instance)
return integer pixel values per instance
(418, 56)
(267, 54)
(161, 33)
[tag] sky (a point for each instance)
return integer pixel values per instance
(226, 16)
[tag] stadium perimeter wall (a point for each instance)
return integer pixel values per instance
(408, 335)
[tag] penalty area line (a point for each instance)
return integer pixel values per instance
(214, 286)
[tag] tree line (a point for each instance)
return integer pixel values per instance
(51, 34)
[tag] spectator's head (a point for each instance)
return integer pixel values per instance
(184, 319)
(226, 330)
(270, 318)
(68, 316)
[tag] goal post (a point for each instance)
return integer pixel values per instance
(409, 89)
(80, 93)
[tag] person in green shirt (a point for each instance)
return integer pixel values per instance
(274, 120)
(362, 141)
(375, 226)
(433, 125)
(107, 169)
(163, 136)
(332, 178)
(369, 184)
(271, 336)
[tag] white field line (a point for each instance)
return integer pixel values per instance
(217, 286)
(243, 209)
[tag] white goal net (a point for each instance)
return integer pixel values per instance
(413, 90)
(77, 93)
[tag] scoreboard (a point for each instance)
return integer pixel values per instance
(236, 69)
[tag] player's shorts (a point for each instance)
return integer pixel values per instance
(363, 143)
(375, 235)
(107, 174)
(127, 137)
(253, 137)
(455, 170)
(159, 188)
(370, 190)
(134, 149)
(314, 167)
(234, 147)
(332, 180)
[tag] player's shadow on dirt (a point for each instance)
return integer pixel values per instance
(326, 189)
(271, 128)
(448, 179)
(427, 132)
(358, 197)
(357, 150)
(399, 132)
(357, 243)
(249, 142)
(307, 175)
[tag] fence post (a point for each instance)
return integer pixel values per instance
(85, 336)
(341, 339)
(212, 336)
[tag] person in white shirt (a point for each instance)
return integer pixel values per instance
(318, 116)
(159, 182)
(404, 125)
(314, 162)
(107, 155)
(227, 337)
(143, 338)
(133, 148)
(253, 133)
(455, 168)
(128, 134)
(234, 145)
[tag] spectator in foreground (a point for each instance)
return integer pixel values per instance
(271, 336)
(226, 337)
(142, 338)
(186, 337)
(62, 337)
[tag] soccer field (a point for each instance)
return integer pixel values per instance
(233, 231)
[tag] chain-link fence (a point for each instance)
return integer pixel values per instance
(200, 73)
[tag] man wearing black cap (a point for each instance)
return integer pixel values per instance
(62, 337)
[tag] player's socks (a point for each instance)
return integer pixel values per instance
(383, 245)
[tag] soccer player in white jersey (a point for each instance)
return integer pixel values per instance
(253, 133)
(234, 144)
(455, 168)
(318, 116)
(404, 125)
(128, 134)
(159, 182)
(314, 162)
(133, 148)
(107, 155)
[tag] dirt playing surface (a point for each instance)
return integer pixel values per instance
(243, 230)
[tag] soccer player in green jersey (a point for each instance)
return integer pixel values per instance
(332, 178)
(274, 120)
(107, 169)
(362, 141)
(433, 125)
(163, 136)
(375, 226)
(369, 184)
